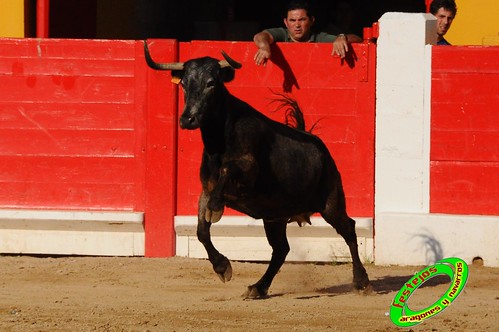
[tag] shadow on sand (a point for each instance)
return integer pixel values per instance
(384, 285)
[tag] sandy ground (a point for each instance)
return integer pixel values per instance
(180, 294)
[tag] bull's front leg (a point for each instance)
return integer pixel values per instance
(221, 264)
(236, 179)
(214, 206)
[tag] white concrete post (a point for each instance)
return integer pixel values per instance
(406, 233)
(402, 114)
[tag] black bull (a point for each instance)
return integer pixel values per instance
(257, 166)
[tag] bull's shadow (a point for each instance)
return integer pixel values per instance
(383, 285)
(289, 78)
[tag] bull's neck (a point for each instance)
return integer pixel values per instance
(213, 132)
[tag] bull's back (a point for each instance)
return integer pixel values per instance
(294, 170)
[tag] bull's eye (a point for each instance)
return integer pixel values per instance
(210, 84)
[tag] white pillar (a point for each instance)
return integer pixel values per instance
(403, 83)
(402, 114)
(406, 233)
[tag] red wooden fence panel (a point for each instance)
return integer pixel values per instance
(337, 95)
(69, 125)
(161, 177)
(464, 174)
(85, 125)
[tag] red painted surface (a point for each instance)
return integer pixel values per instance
(464, 172)
(42, 18)
(340, 98)
(161, 135)
(86, 125)
(69, 125)
(428, 3)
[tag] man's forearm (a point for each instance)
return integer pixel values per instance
(263, 40)
(353, 38)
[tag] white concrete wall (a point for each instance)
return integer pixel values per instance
(243, 238)
(71, 233)
(423, 238)
(402, 112)
(405, 231)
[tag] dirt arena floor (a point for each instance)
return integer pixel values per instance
(180, 294)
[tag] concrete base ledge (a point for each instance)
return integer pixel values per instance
(72, 232)
(422, 239)
(243, 238)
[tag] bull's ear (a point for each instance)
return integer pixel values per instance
(227, 74)
(177, 76)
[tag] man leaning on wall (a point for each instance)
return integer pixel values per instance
(299, 20)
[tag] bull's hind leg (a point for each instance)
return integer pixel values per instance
(335, 214)
(276, 235)
(221, 264)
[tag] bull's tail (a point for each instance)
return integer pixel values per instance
(293, 114)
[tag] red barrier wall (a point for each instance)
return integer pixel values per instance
(85, 125)
(338, 95)
(464, 131)
(161, 151)
(69, 125)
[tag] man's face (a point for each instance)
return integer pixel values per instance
(444, 21)
(299, 24)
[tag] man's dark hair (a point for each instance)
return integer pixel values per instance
(299, 4)
(449, 5)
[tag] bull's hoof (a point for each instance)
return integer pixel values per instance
(368, 290)
(256, 292)
(223, 269)
(361, 280)
(213, 216)
(363, 286)
(227, 275)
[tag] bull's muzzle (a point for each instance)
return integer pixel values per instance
(189, 122)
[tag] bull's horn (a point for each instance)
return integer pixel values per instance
(161, 66)
(229, 61)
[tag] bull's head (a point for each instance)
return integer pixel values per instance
(202, 81)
